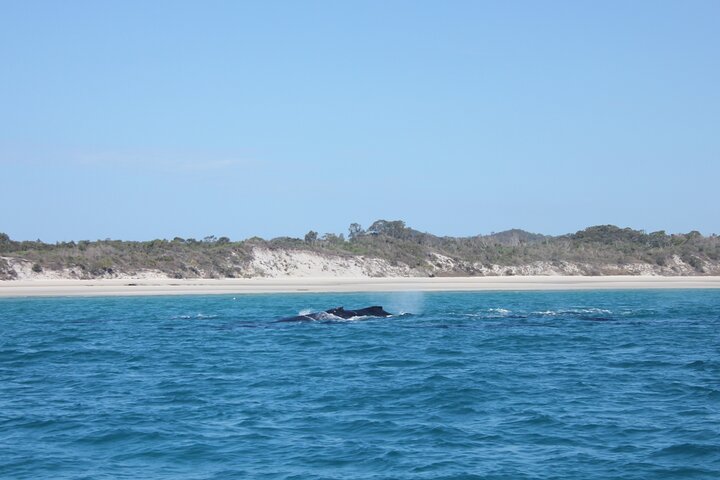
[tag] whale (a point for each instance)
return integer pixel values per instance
(341, 312)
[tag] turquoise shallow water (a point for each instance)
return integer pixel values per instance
(567, 385)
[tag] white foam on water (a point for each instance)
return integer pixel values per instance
(329, 316)
(355, 319)
(198, 315)
(573, 311)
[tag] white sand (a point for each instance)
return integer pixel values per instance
(164, 286)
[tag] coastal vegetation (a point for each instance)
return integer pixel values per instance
(597, 250)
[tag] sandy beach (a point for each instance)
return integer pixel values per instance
(164, 286)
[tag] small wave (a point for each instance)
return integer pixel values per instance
(573, 311)
(703, 365)
(499, 310)
(198, 316)
(366, 317)
(352, 319)
(489, 313)
(324, 316)
(688, 450)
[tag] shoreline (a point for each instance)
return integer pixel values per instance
(239, 286)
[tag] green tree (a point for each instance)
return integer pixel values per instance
(395, 228)
(355, 231)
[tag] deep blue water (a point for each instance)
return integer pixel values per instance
(566, 385)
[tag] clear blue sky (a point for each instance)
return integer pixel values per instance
(140, 120)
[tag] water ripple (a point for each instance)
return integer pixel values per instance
(602, 385)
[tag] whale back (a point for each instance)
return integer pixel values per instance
(374, 311)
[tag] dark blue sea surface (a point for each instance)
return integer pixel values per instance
(511, 385)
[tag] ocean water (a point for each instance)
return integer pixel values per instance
(510, 385)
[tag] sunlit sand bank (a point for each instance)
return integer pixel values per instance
(163, 286)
